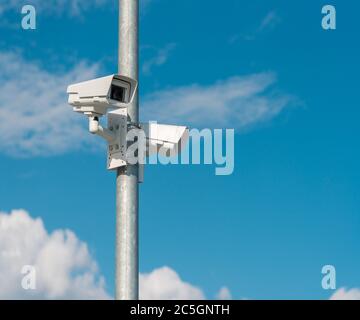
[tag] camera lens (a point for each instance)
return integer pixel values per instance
(117, 93)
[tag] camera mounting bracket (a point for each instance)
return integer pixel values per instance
(117, 123)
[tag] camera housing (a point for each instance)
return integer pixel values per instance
(95, 97)
(164, 139)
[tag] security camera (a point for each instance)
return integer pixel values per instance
(95, 97)
(164, 139)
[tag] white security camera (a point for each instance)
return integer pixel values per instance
(164, 139)
(95, 97)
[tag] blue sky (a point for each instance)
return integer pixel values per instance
(292, 204)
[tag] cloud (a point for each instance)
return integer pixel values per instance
(35, 117)
(159, 59)
(165, 284)
(64, 267)
(269, 21)
(224, 294)
(72, 8)
(66, 270)
(238, 102)
(57, 7)
(344, 294)
(37, 121)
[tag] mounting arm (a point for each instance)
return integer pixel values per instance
(96, 128)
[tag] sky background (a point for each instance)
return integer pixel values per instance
(292, 204)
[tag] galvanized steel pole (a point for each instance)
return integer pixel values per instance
(127, 256)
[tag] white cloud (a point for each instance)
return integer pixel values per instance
(64, 267)
(58, 7)
(237, 102)
(36, 119)
(165, 284)
(73, 8)
(344, 294)
(66, 270)
(269, 21)
(35, 116)
(224, 294)
(159, 59)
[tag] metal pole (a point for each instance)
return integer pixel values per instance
(127, 256)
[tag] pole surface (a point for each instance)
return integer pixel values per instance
(127, 256)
